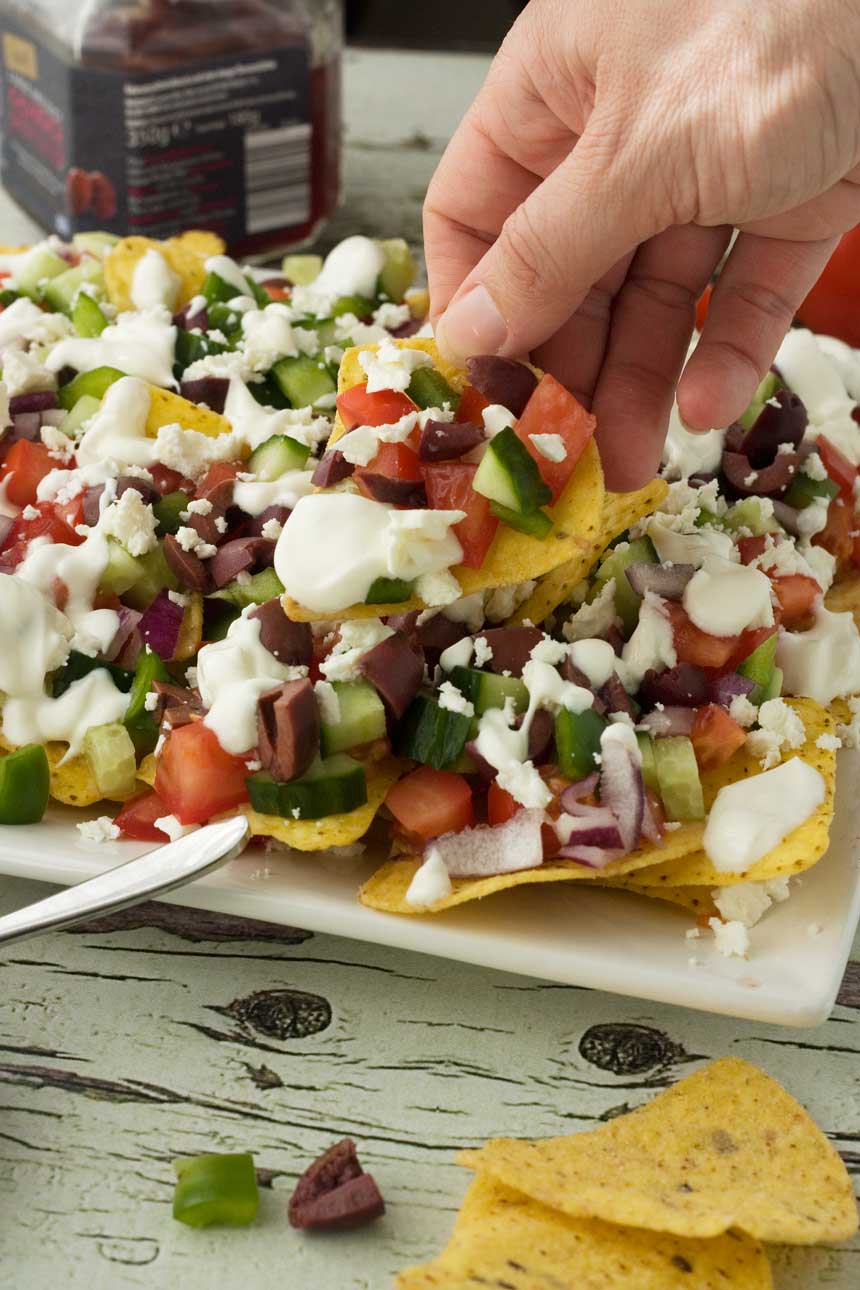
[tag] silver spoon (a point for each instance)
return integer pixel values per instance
(167, 867)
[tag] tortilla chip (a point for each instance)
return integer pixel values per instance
(513, 557)
(72, 782)
(505, 1241)
(698, 900)
(166, 409)
(332, 830)
(844, 597)
(620, 512)
(146, 769)
(726, 1147)
(190, 630)
(186, 255)
(677, 862)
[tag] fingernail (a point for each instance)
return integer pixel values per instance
(471, 325)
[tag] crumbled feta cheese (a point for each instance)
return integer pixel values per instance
(329, 704)
(191, 677)
(253, 766)
(30, 513)
(190, 540)
(594, 619)
(389, 367)
(191, 452)
(357, 636)
(505, 601)
(391, 316)
(453, 700)
(551, 446)
(23, 373)
(483, 651)
(173, 827)
(780, 727)
(496, 417)
(743, 902)
(742, 711)
(814, 467)
(220, 524)
(200, 506)
(730, 938)
(850, 732)
(693, 933)
(271, 530)
(132, 522)
(59, 445)
(439, 588)
(178, 598)
(828, 743)
(102, 829)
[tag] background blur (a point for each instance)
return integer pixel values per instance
(437, 24)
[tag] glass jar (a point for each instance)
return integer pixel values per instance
(149, 116)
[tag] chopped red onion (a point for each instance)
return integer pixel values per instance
(666, 581)
(160, 625)
(787, 516)
(727, 687)
(668, 721)
(34, 401)
(652, 824)
(26, 425)
(622, 789)
(126, 628)
(591, 857)
(483, 852)
(571, 798)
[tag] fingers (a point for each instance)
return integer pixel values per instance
(762, 284)
(570, 230)
(652, 322)
(574, 355)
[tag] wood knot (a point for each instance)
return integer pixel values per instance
(281, 1014)
(628, 1049)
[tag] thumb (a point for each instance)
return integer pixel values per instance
(583, 218)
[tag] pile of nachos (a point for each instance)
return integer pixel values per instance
(262, 550)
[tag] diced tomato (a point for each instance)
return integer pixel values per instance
(449, 488)
(431, 802)
(796, 593)
(500, 805)
(167, 480)
(471, 405)
(553, 410)
(833, 304)
(703, 304)
(750, 548)
(277, 290)
(692, 645)
(217, 473)
(25, 466)
(716, 736)
(396, 460)
(196, 777)
(137, 818)
(749, 641)
(837, 534)
(48, 523)
(358, 408)
(838, 467)
(72, 512)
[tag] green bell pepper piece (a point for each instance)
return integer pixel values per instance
(25, 779)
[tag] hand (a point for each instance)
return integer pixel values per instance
(593, 186)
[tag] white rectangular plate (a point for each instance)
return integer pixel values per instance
(607, 940)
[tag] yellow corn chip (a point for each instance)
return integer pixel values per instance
(513, 557)
(166, 409)
(332, 830)
(72, 781)
(620, 512)
(186, 255)
(844, 597)
(146, 770)
(698, 900)
(677, 862)
(506, 1241)
(724, 1148)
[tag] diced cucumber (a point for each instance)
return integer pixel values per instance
(301, 269)
(388, 591)
(508, 474)
(98, 243)
(678, 778)
(78, 665)
(88, 319)
(332, 786)
(168, 511)
(577, 742)
(190, 348)
(398, 269)
(360, 306)
(325, 329)
(429, 389)
(805, 490)
(649, 761)
(709, 518)
(140, 723)
(268, 393)
(615, 565)
(361, 720)
(62, 291)
(766, 390)
(487, 690)
(536, 524)
(774, 687)
(262, 586)
(155, 576)
(110, 753)
(85, 408)
(303, 380)
(121, 572)
(276, 456)
(93, 383)
(31, 273)
(432, 734)
(216, 288)
(758, 667)
(749, 513)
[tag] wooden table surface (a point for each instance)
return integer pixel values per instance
(165, 1032)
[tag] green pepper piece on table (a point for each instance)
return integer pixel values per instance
(216, 1189)
(25, 779)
